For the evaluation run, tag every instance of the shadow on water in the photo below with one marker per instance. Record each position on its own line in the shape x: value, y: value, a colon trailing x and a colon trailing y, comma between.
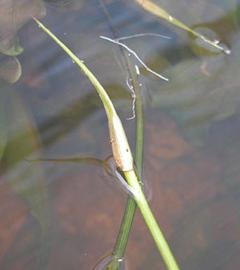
x: 64, y: 216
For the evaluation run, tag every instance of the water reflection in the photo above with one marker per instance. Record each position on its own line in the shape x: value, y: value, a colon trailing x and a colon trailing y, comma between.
x: 66, y: 212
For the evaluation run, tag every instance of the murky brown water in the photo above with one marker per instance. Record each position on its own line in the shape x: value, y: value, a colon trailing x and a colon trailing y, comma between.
x: 61, y: 215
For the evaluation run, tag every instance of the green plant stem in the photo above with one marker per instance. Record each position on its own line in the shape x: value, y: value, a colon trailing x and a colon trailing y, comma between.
x: 130, y: 209
x: 125, y: 228
x: 151, y: 223
x: 155, y: 9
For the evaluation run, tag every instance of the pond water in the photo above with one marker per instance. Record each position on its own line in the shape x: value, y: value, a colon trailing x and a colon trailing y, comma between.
x: 66, y: 215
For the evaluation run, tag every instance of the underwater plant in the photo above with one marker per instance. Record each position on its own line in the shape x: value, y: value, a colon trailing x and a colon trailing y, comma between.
x: 123, y: 157
x: 121, y: 150
x: 158, y: 11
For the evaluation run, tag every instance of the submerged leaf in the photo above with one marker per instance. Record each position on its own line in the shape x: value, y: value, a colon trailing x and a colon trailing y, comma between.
x: 13, y: 15
x: 27, y: 180
x: 10, y: 69
x: 10, y: 47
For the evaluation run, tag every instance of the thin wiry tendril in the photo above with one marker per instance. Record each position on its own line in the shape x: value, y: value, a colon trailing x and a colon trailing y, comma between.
x: 142, y: 35
x: 136, y: 56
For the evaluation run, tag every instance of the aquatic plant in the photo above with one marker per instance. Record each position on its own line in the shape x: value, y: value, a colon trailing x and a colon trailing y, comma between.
x: 123, y: 157
x: 158, y: 11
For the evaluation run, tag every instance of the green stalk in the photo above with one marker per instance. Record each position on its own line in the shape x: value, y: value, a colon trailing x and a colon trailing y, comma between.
x: 123, y: 157
x: 155, y: 9
x: 123, y: 235
x: 151, y: 222
x: 130, y: 209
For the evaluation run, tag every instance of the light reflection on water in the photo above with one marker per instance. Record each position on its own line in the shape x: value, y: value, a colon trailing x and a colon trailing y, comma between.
x: 63, y: 214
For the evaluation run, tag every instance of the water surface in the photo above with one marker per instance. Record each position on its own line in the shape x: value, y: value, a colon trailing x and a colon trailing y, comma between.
x: 63, y: 215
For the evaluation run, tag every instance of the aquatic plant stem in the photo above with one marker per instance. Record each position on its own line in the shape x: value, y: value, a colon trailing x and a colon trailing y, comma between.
x: 130, y: 209
x: 125, y: 228
x: 155, y: 9
x: 151, y: 222
x: 123, y: 157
